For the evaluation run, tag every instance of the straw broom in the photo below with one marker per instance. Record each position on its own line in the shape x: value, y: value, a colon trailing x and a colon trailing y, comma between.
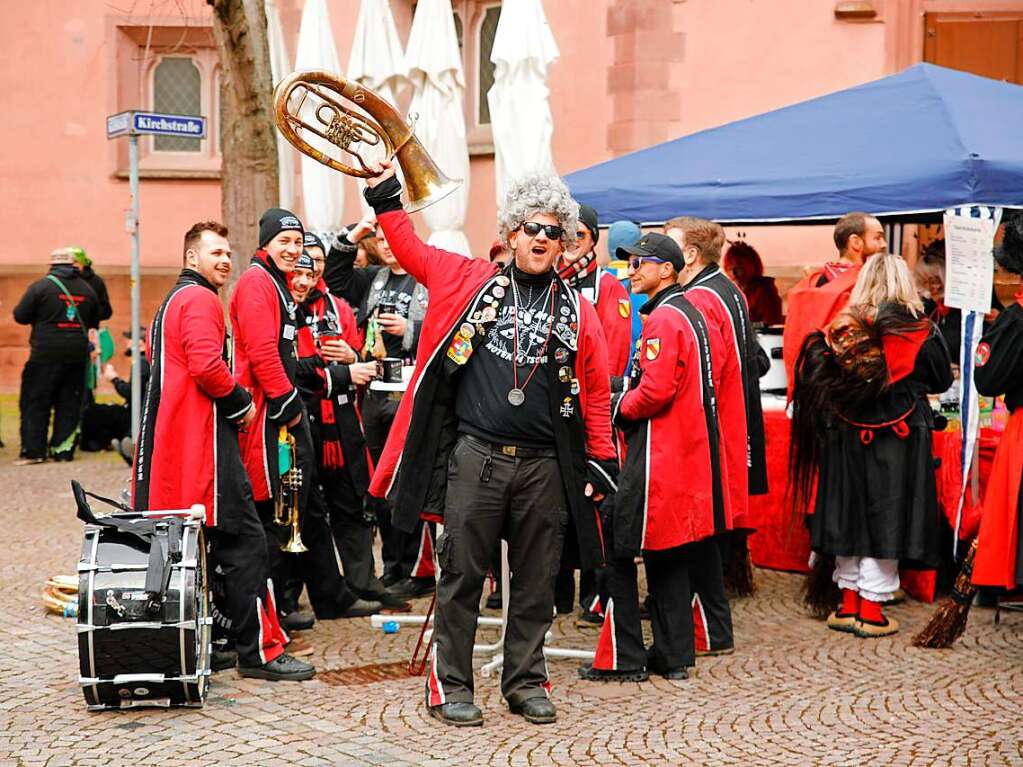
x: 820, y: 593
x: 949, y: 622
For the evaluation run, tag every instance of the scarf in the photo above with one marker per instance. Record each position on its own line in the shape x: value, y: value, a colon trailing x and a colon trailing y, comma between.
x: 577, y: 271
x: 331, y: 454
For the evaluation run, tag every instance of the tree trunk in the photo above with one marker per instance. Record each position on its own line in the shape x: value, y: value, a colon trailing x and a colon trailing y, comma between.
x: 248, y: 141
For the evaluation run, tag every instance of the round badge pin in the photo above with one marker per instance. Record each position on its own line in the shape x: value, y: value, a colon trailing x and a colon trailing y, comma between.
x: 499, y: 291
x: 503, y: 281
x: 467, y: 330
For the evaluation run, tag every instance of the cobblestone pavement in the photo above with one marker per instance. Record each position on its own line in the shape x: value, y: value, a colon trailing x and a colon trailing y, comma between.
x: 794, y: 693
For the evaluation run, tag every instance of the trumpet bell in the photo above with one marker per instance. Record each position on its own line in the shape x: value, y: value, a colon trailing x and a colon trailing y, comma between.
x: 294, y: 545
x: 347, y: 127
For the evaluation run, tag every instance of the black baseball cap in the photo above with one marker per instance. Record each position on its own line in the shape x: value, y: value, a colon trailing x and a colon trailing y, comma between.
x: 654, y: 245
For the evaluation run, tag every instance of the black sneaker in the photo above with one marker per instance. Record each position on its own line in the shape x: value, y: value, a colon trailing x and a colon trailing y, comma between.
x: 360, y: 608
x: 283, y: 668
x: 411, y: 588
x: 297, y: 621
x: 656, y: 664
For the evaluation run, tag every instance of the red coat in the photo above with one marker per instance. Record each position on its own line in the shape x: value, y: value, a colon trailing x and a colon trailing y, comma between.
x: 264, y: 326
x: 187, y: 450
x: 672, y: 488
x: 456, y: 285
x: 813, y: 303
x: 731, y: 402
x: 614, y: 310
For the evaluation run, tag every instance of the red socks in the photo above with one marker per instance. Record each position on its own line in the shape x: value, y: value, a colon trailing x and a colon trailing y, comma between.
x: 850, y: 602
x: 871, y: 611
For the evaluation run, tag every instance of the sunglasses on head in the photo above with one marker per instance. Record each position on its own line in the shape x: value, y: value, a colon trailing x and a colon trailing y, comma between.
x: 532, y: 229
x: 637, y: 261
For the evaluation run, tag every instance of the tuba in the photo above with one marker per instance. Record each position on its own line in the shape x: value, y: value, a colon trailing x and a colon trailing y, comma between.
x: 308, y: 109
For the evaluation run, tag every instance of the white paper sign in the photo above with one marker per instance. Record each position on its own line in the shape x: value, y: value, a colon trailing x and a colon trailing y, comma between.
x: 969, y: 265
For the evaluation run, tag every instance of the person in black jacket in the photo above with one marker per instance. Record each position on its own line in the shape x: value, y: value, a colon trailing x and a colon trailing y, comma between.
x: 84, y: 266
x: 104, y: 425
x: 61, y: 308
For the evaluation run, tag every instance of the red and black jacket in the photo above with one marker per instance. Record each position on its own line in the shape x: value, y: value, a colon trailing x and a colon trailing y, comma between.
x: 673, y: 487
x: 614, y: 310
x: 187, y: 451
x: 265, y: 326
x: 338, y: 434
x: 724, y: 306
x: 412, y: 472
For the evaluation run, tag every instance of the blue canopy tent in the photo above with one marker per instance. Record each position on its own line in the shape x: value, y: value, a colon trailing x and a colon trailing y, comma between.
x: 904, y: 147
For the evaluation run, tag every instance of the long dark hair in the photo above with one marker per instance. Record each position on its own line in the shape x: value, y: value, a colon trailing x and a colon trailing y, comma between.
x: 838, y: 373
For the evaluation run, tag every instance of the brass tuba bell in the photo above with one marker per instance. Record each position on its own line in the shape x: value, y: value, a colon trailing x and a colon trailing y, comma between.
x: 308, y: 107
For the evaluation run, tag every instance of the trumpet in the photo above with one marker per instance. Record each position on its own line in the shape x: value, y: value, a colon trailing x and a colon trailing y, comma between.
x: 286, y: 500
x: 308, y: 107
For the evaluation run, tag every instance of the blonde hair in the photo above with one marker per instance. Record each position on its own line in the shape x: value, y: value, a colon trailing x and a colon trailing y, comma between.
x: 885, y: 279
x: 708, y: 237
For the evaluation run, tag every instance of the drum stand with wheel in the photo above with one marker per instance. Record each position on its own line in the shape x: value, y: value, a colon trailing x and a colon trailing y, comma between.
x: 143, y: 620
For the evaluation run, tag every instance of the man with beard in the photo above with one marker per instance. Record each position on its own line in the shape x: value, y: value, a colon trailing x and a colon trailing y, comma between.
x: 670, y: 419
x: 504, y: 432
x: 328, y: 373
x: 265, y: 323
x: 192, y: 394
x: 389, y: 307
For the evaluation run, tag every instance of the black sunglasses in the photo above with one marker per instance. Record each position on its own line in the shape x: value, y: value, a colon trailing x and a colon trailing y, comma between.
x: 532, y: 229
x: 637, y: 261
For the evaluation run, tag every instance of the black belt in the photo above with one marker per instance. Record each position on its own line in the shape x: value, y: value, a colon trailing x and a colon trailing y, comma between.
x: 512, y: 451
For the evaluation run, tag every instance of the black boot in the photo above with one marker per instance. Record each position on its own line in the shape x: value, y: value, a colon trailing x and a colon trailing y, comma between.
x: 458, y: 714
x: 536, y: 710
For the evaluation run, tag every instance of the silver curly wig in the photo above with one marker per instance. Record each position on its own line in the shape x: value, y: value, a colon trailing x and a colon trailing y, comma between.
x: 539, y: 193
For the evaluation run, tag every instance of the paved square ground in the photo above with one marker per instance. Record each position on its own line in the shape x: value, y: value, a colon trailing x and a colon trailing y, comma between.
x: 794, y: 693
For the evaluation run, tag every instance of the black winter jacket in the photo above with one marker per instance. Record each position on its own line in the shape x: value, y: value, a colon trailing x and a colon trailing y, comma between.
x: 57, y: 335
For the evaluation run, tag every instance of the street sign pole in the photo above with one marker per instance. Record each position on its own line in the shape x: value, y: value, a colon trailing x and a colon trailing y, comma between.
x: 134, y: 124
x: 136, y: 357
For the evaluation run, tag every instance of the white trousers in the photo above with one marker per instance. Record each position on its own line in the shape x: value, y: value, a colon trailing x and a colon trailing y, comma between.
x: 874, y: 579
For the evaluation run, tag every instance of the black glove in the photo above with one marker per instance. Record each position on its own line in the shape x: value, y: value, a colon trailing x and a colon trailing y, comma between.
x: 385, y: 197
x: 603, y: 475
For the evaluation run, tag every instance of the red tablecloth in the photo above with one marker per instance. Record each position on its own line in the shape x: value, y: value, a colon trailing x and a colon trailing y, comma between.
x: 783, y: 543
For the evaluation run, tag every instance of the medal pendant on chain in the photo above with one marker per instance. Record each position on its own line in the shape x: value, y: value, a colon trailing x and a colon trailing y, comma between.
x: 516, y: 397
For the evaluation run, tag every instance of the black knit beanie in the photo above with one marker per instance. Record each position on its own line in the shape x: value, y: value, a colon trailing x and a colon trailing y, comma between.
x: 310, y: 240
x: 588, y: 218
x: 275, y: 221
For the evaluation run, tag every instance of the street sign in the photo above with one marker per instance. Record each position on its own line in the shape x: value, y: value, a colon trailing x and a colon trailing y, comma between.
x: 119, y: 124
x: 134, y: 123
x: 183, y: 126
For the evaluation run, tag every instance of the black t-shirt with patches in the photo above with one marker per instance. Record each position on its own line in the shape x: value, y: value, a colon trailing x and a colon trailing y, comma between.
x: 481, y: 404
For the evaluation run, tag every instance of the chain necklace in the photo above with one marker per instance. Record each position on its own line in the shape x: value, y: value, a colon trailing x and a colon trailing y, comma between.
x: 517, y: 394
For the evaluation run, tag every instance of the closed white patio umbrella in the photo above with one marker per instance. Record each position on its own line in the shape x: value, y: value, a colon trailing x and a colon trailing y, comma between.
x: 435, y: 68
x: 520, y: 114
x: 322, y: 189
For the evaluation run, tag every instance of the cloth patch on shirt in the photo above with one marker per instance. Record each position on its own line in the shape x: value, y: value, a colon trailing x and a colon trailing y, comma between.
x: 624, y: 308
x: 653, y: 348
x: 289, y: 333
x: 460, y: 349
x: 983, y: 355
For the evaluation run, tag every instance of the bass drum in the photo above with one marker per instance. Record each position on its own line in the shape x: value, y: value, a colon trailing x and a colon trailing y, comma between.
x: 131, y: 655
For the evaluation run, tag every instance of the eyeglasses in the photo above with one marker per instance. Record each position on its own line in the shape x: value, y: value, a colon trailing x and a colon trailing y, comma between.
x: 532, y: 229
x: 637, y: 261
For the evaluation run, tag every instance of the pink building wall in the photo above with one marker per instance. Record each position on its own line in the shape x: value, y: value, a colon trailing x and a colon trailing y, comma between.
x: 631, y: 73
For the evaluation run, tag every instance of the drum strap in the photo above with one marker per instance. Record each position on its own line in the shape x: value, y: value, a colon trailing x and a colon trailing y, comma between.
x: 163, y: 537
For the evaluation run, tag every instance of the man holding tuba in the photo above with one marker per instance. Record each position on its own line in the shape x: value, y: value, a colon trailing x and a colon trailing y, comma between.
x: 264, y: 321
x: 504, y: 432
